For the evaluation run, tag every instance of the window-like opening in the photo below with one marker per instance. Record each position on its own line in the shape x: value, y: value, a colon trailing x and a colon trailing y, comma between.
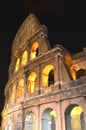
x: 7, y: 99
x: 30, y: 121
x: 19, y: 122
x: 10, y: 124
x: 47, y: 76
x: 24, y: 58
x: 17, y: 65
x: 20, y: 91
x: 32, y: 85
x: 13, y: 93
x: 5, y: 127
x: 80, y: 73
x: 51, y: 77
x: 48, y: 119
x: 74, y: 118
x: 69, y: 63
x: 34, y: 50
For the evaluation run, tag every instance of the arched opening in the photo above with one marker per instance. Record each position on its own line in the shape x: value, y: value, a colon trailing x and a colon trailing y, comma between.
x: 19, y: 122
x: 69, y: 63
x: 32, y: 85
x: 30, y: 121
x: 34, y: 50
x: 17, y: 65
x: 48, y: 76
x: 13, y: 93
x: 5, y: 127
x: 74, y: 118
x: 48, y: 119
x: 10, y: 124
x: 7, y: 97
x: 20, y: 91
x: 51, y: 77
x: 24, y: 58
x: 80, y: 73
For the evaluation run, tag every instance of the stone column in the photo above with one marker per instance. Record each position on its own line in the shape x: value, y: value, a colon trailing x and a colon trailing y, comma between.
x: 25, y: 85
x: 23, y: 115
x: 38, y: 121
x: 16, y: 90
x: 38, y: 79
x: 57, y: 72
x: 59, y: 117
x: 43, y: 43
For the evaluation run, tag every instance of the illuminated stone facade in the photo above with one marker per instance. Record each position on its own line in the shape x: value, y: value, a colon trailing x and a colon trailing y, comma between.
x: 46, y: 88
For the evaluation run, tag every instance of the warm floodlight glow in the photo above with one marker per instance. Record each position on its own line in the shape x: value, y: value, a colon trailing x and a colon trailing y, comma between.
x: 20, y: 88
x: 76, y: 117
x: 24, y: 58
x: 32, y: 82
x: 69, y: 62
x: 13, y: 93
x: 45, y: 75
x: 34, y: 51
x: 76, y: 111
x: 52, y: 113
x: 17, y: 65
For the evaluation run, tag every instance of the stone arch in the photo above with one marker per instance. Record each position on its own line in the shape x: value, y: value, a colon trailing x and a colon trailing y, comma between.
x: 69, y: 63
x: 20, y: 89
x: 13, y: 92
x: 81, y: 72
x: 32, y: 82
x: 34, y: 50
x: 24, y: 58
x: 4, y: 125
x: 19, y: 122
x: 28, y: 29
x: 30, y: 121
x: 17, y: 65
x: 48, y: 119
x: 47, y: 76
x: 10, y: 124
x: 74, y: 117
x: 7, y: 99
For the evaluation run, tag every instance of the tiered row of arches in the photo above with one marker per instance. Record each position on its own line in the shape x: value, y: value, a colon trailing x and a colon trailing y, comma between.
x: 29, y: 85
x: 25, y: 57
x: 23, y: 109
x: 74, y: 119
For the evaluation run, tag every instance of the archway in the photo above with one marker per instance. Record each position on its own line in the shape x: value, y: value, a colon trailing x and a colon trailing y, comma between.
x: 34, y: 50
x: 20, y: 91
x: 19, y: 122
x: 10, y: 124
x: 13, y: 91
x: 48, y: 119
x: 80, y: 73
x: 32, y: 82
x: 24, y: 58
x: 74, y: 118
x: 17, y: 65
x: 48, y: 76
x: 30, y: 121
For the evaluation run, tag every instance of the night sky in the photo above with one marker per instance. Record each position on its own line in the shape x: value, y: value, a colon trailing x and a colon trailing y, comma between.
x: 65, y: 22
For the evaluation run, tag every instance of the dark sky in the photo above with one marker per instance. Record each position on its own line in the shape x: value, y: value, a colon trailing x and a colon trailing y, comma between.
x: 65, y: 22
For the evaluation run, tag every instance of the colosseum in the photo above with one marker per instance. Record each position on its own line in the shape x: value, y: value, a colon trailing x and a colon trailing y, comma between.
x: 46, y: 88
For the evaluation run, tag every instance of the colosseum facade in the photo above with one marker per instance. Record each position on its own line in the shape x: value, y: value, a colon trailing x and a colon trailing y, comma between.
x: 46, y: 88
